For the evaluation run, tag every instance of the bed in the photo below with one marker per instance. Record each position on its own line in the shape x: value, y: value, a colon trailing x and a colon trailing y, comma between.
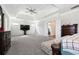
x: 46, y: 46
x: 69, y: 44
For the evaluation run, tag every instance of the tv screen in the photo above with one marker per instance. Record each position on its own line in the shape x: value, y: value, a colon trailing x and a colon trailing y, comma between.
x: 21, y: 27
x: 25, y: 27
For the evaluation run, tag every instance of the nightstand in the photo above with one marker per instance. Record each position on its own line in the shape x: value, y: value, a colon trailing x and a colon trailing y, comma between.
x: 56, y: 49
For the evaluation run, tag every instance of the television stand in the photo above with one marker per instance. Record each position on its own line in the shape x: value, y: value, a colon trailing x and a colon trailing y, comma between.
x: 24, y: 32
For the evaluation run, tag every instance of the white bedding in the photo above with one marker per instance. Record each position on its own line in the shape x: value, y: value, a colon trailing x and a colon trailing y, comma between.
x: 71, y: 43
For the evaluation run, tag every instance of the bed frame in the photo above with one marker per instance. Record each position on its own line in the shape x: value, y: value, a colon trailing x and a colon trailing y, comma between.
x: 69, y: 29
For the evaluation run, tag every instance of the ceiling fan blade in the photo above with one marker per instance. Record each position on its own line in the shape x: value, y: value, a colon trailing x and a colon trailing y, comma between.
x: 34, y: 9
x: 27, y: 11
x: 34, y: 12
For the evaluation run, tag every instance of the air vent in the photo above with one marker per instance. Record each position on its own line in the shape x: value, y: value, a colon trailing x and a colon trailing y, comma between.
x: 75, y: 7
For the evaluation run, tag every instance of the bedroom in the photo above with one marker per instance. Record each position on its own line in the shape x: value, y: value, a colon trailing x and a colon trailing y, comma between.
x: 37, y: 16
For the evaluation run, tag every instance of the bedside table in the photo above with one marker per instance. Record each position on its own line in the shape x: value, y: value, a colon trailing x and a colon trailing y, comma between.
x: 56, y: 49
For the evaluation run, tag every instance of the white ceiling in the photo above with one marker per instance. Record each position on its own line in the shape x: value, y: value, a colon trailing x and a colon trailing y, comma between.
x: 64, y: 7
x: 13, y: 9
x: 16, y: 9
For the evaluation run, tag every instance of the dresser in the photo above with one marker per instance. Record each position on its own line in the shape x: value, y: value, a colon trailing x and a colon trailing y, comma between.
x: 5, y: 42
x: 5, y: 36
x: 69, y: 29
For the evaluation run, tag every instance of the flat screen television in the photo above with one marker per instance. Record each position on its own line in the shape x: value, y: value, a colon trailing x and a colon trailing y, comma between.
x: 24, y: 27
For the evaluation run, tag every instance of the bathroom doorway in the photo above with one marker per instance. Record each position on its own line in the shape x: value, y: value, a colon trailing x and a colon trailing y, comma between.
x: 52, y: 28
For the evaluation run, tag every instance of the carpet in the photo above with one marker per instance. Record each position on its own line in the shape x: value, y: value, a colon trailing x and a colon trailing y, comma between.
x: 27, y: 45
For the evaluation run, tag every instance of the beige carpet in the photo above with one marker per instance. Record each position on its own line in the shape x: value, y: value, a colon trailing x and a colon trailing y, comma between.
x: 27, y: 45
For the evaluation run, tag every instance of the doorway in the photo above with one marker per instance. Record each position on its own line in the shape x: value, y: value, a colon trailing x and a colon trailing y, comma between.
x: 52, y: 28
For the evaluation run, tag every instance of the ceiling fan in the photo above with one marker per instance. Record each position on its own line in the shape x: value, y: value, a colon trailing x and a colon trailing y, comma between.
x: 31, y: 11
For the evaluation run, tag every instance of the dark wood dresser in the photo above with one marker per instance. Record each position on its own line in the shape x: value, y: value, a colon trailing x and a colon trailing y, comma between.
x: 5, y: 42
x: 69, y: 29
x: 5, y: 36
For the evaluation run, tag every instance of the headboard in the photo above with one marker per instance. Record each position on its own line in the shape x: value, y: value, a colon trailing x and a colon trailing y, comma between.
x: 69, y: 29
